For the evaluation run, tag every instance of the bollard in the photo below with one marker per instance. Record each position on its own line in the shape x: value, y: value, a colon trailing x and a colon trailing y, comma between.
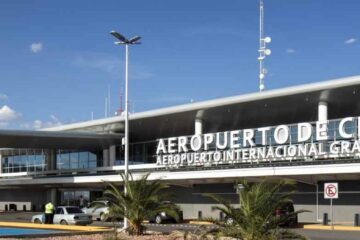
x: 221, y: 216
x: 325, y: 219
x: 356, y: 220
x: 199, y: 215
x: 181, y: 216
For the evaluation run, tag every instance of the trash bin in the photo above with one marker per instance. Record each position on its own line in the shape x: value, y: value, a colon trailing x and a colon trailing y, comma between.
x: 325, y: 219
x: 221, y: 216
x: 356, y: 220
x: 199, y: 215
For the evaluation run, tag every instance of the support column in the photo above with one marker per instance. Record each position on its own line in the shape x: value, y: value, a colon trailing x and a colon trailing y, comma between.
x: 1, y: 164
x: 106, y: 157
x: 322, y: 111
x: 52, y: 196
x: 51, y: 159
x: 112, y: 153
x: 198, y: 126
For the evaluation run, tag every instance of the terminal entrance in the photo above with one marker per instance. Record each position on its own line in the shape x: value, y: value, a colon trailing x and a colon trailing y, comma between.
x: 72, y: 197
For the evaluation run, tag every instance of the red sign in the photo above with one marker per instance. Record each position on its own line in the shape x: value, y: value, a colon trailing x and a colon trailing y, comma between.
x: 331, y: 190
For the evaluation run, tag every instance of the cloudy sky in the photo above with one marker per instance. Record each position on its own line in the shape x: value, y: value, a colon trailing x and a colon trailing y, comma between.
x: 58, y: 60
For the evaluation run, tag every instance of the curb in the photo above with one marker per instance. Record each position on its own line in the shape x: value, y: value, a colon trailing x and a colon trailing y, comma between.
x: 54, y: 227
x: 327, y: 227
x: 201, y: 222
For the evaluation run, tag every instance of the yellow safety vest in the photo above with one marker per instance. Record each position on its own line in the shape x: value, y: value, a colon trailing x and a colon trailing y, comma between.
x: 49, y: 208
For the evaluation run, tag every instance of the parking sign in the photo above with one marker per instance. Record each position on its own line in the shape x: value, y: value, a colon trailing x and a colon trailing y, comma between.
x: 331, y: 191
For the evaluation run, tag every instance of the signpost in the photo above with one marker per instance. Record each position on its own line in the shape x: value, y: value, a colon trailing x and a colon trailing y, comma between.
x: 331, y: 191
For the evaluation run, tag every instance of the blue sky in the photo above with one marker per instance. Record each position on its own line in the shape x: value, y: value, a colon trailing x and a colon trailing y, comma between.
x: 57, y: 58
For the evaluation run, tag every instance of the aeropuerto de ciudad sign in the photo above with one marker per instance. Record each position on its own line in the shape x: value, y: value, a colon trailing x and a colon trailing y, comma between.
x: 306, y: 141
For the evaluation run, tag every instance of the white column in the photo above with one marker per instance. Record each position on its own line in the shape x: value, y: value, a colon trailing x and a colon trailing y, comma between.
x: 322, y: 111
x: 112, y: 153
x: 198, y: 126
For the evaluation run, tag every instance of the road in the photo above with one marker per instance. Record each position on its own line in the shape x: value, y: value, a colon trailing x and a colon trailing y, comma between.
x: 167, y: 228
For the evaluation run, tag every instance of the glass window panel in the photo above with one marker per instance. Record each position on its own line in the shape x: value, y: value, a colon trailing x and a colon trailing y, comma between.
x: 83, y: 160
x: 65, y: 160
x: 74, y: 160
x: 39, y: 161
x: 24, y: 163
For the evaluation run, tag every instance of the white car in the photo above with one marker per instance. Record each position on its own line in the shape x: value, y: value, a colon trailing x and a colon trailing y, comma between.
x: 98, y: 209
x: 66, y: 215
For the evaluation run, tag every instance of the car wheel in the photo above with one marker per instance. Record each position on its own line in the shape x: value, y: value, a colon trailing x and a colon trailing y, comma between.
x: 63, y: 222
x: 103, y: 217
x: 37, y: 221
x: 229, y: 221
x: 158, y: 219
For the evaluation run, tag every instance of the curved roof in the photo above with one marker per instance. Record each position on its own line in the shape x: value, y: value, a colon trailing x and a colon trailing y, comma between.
x: 285, y: 105
x: 57, y: 140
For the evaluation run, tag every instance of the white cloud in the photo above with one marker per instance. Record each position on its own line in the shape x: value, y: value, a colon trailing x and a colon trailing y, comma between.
x: 36, y: 47
x: 99, y: 61
x: 37, y: 124
x: 350, y: 41
x: 7, y: 114
x: 290, y: 50
x: 109, y: 64
x: 3, y: 96
x: 4, y: 124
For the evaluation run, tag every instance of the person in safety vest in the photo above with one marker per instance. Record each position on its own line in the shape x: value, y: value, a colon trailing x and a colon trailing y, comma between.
x: 49, y: 213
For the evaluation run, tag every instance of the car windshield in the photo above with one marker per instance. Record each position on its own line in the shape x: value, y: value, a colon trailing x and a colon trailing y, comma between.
x: 71, y: 210
x: 97, y: 204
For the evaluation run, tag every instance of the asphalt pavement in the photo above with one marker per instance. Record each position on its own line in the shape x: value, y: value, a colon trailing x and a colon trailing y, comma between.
x: 167, y: 228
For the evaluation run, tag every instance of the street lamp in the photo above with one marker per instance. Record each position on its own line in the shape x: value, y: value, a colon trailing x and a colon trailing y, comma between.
x: 124, y: 41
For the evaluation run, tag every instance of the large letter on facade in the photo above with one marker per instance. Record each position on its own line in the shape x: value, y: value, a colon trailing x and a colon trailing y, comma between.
x: 161, y: 147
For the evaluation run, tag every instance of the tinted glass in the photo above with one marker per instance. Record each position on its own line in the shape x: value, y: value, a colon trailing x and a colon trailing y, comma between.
x: 72, y: 210
x: 59, y: 211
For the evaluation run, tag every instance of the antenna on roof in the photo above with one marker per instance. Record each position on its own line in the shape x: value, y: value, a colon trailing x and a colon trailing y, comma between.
x: 109, y: 101
x: 106, y: 107
x: 263, y: 51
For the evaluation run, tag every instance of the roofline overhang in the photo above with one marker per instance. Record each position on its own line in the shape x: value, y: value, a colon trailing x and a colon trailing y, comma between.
x: 196, y: 106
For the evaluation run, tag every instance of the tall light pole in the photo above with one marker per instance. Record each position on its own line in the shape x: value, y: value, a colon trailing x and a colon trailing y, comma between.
x: 124, y: 41
x: 263, y: 51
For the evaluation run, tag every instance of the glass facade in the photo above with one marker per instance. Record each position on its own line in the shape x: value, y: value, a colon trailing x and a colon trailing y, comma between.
x: 75, y: 160
x: 35, y: 160
x: 139, y: 153
x: 24, y: 160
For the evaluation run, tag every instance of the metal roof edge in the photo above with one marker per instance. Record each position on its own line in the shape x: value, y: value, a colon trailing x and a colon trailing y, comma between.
x: 310, y: 87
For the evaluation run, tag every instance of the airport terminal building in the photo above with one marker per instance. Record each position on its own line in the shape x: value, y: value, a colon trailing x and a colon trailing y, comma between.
x: 308, y: 133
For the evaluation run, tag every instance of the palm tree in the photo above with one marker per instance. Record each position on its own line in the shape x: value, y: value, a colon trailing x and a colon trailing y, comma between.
x: 256, y: 219
x: 144, y: 200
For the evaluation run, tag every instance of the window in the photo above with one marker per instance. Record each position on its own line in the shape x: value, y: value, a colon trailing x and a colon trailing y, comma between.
x: 83, y: 160
x: 72, y: 210
x: 59, y: 211
x: 74, y: 160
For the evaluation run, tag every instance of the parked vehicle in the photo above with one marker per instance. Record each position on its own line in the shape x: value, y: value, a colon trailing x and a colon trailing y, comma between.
x: 286, y: 210
x: 99, y: 210
x: 66, y: 215
x: 162, y: 217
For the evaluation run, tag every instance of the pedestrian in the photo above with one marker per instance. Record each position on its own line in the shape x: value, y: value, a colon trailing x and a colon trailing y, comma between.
x: 49, y: 213
x: 81, y: 202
